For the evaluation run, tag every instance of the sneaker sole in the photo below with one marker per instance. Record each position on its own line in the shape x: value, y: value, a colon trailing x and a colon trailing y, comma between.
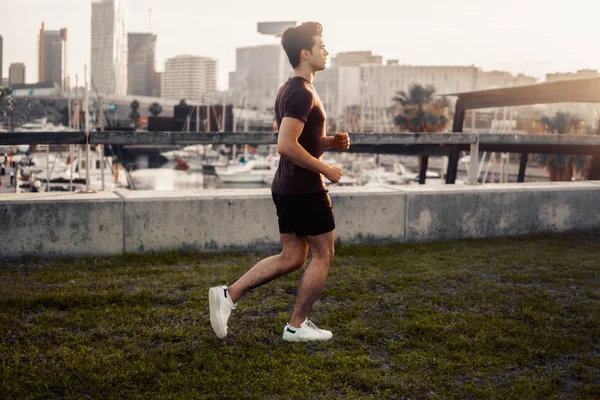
x: 214, y: 305
x: 297, y: 339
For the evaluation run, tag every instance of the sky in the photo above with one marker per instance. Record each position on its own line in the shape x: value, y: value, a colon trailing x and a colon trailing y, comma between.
x: 534, y: 37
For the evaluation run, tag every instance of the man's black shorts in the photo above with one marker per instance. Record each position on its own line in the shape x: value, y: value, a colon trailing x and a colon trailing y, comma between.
x: 304, y: 214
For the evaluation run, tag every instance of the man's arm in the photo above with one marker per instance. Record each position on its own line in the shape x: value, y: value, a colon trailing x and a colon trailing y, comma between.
x: 288, y: 146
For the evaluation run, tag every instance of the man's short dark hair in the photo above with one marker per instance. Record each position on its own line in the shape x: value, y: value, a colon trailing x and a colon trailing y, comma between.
x: 298, y: 38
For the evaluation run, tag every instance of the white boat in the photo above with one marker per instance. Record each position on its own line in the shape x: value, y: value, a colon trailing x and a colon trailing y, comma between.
x: 378, y: 176
x: 344, y: 181
x: 114, y: 174
x: 253, y: 171
x: 185, y: 153
x: 195, y: 156
x: 155, y: 178
x: 404, y: 174
x: 168, y: 177
x: 47, y: 165
x: 38, y: 125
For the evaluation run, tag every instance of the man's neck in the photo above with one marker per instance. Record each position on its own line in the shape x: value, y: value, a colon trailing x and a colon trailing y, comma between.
x: 304, y: 72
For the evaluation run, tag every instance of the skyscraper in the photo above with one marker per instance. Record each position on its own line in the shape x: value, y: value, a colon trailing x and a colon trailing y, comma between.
x: 109, y: 47
x: 16, y: 73
x: 52, y: 56
x: 141, y: 64
x: 189, y: 77
x: 260, y: 71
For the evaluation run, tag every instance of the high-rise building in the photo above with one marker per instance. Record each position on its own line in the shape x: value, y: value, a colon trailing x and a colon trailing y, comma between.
x: 587, y: 111
x: 339, y: 90
x: 16, y: 73
x: 189, y: 77
x: 109, y: 47
x: 566, y: 76
x: 383, y: 81
x: 141, y: 64
x: 501, y: 79
x: 356, y: 58
x: 259, y: 72
x: 359, y: 96
x: 157, y: 84
x: 52, y: 57
x: 1, y: 65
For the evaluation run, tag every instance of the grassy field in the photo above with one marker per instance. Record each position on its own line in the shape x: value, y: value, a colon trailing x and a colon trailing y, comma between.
x: 489, y: 319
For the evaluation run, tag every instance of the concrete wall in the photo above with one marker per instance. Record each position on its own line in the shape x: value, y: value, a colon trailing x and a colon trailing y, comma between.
x: 197, y: 220
x: 61, y: 224
x: 141, y: 221
x: 456, y: 212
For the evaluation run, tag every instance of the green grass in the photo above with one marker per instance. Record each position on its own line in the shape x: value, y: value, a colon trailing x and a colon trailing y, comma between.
x: 490, y: 319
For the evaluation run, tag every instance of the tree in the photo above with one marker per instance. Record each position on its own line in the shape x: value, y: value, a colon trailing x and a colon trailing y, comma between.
x: 134, y: 114
x: 563, y: 167
x: 419, y: 111
x: 4, y: 92
x: 155, y: 109
x: 561, y: 123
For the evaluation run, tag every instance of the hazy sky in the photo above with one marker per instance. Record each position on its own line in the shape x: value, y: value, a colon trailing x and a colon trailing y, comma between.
x: 530, y: 36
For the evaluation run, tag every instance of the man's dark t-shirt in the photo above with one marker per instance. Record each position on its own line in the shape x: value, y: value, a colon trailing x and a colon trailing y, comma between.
x: 298, y: 99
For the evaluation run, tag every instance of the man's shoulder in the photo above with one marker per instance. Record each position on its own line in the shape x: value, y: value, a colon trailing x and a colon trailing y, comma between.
x: 302, y: 92
x: 299, y: 86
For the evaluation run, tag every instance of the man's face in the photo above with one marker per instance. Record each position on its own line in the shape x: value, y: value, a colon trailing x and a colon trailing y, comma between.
x: 317, y: 58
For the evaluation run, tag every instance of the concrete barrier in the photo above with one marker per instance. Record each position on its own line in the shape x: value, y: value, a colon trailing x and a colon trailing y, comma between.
x: 369, y: 214
x: 237, y: 219
x: 66, y: 224
x: 198, y: 220
x: 218, y: 220
x: 477, y: 211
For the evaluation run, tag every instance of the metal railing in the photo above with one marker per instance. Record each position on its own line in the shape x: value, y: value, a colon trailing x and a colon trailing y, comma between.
x: 422, y: 144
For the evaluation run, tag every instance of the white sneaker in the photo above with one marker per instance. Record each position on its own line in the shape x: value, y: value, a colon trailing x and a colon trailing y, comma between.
x: 220, y: 306
x: 307, y: 332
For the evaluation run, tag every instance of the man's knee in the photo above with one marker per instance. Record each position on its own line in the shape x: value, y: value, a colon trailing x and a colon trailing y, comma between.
x: 294, y: 259
x: 324, y: 254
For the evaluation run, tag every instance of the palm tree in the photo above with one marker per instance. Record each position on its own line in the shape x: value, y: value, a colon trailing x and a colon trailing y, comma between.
x: 561, y: 123
x: 134, y: 114
x: 418, y: 111
x: 562, y: 167
x: 155, y: 109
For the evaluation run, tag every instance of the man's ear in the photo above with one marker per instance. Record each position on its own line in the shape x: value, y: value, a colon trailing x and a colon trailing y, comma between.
x: 304, y: 54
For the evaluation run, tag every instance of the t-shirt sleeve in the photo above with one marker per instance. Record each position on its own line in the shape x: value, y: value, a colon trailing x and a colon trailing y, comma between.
x: 298, y: 105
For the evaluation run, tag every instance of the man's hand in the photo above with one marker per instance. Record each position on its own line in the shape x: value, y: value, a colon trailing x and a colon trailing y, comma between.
x: 333, y: 173
x: 341, y: 141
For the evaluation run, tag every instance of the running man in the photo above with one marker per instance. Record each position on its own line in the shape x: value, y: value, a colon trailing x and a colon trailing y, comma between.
x: 304, y: 209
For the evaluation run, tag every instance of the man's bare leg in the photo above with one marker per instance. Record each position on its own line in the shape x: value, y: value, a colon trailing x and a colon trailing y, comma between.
x: 314, y: 276
x: 291, y: 258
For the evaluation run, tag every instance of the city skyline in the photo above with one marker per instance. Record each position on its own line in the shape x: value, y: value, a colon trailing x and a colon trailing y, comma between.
x: 534, y: 37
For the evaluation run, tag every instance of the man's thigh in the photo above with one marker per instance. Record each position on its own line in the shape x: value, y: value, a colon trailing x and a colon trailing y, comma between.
x: 322, y: 245
x: 294, y: 246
